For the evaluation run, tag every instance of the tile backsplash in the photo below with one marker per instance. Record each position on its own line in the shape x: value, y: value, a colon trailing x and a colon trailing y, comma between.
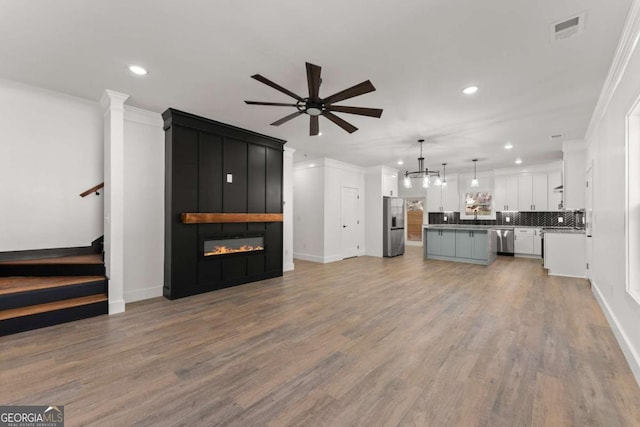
x: 542, y: 219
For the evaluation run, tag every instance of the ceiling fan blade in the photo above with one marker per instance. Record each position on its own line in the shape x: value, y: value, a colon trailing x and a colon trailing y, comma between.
x: 359, y: 89
x: 286, y: 118
x: 342, y: 123
x: 276, y: 86
x: 314, y: 127
x: 279, y: 104
x: 313, y: 80
x: 371, y: 112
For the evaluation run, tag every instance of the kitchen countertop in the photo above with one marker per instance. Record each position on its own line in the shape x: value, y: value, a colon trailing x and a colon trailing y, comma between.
x: 462, y: 227
x: 565, y: 230
x: 568, y: 230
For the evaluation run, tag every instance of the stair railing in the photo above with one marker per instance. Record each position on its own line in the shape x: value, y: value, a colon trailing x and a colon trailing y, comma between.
x: 93, y: 189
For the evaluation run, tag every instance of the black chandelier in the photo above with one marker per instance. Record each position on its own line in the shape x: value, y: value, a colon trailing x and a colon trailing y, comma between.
x: 422, y: 172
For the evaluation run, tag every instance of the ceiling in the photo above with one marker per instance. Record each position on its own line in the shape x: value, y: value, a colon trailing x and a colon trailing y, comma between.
x: 419, y: 54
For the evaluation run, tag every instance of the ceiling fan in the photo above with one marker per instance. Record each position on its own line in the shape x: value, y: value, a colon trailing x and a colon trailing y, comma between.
x: 314, y: 106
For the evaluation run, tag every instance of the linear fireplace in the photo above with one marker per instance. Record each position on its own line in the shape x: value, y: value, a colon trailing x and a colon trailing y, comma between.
x: 216, y: 246
x: 223, y: 205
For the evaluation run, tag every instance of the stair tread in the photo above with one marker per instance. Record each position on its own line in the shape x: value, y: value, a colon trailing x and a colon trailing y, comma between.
x: 11, y: 285
x: 51, y: 306
x: 76, y: 259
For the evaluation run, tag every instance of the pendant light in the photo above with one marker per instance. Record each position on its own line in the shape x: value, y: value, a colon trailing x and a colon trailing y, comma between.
x: 474, y: 181
x: 422, y: 172
x: 407, y: 182
x: 444, y: 174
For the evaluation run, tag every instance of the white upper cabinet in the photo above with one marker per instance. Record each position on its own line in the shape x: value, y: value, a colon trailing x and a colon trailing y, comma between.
x: 525, y: 193
x: 390, y: 185
x: 506, y: 193
x: 444, y: 199
x: 532, y: 192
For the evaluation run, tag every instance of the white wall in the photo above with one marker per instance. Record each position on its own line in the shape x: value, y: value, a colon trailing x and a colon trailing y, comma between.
x: 143, y: 204
x: 317, y: 208
x: 574, y: 155
x: 339, y: 175
x: 308, y: 212
x: 374, y: 191
x: 606, y: 148
x: 373, y: 211
x: 51, y: 151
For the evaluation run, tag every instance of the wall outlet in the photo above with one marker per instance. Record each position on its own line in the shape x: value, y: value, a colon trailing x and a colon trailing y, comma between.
x: 229, y: 178
x: 560, y: 220
x: 446, y: 218
x: 507, y: 219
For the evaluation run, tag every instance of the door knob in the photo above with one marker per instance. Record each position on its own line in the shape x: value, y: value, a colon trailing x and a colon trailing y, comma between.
x: 344, y: 226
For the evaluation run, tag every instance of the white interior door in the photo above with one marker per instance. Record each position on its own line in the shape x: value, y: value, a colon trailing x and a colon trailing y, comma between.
x: 350, y: 221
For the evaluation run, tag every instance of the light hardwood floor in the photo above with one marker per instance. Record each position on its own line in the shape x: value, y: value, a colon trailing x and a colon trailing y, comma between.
x: 365, y: 341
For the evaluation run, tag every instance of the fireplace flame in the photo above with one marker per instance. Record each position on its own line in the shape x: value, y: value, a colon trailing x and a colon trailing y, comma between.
x: 222, y: 250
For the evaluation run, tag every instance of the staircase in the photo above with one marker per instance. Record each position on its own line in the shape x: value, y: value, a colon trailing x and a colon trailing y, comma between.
x: 40, y: 292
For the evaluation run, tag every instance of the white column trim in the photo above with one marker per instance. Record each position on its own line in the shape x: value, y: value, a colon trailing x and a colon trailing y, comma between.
x: 287, y: 210
x: 113, y: 104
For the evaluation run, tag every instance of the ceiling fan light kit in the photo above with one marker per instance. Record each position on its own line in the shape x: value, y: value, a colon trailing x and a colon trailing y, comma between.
x: 422, y: 172
x: 314, y: 106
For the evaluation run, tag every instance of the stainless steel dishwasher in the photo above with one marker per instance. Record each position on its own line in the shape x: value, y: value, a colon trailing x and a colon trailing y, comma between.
x: 505, y: 244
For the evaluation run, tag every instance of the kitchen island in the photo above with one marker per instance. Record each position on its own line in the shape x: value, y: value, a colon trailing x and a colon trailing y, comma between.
x: 475, y: 244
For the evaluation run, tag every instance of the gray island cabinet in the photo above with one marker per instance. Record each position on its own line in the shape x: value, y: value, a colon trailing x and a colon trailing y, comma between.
x: 476, y: 245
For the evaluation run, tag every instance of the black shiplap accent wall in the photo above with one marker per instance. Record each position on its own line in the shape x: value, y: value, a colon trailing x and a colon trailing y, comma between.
x: 524, y: 219
x: 199, y: 153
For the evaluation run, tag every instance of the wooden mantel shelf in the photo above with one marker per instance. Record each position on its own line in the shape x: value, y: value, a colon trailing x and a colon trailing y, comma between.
x: 211, y: 218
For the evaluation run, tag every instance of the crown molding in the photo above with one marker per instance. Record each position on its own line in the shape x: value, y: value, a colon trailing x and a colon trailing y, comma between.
x: 626, y: 46
x: 145, y: 117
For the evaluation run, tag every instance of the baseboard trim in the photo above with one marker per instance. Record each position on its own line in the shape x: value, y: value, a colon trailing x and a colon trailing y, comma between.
x: 142, y: 294
x: 116, y: 307
x: 288, y: 267
x: 632, y: 356
x: 565, y: 275
x: 316, y: 258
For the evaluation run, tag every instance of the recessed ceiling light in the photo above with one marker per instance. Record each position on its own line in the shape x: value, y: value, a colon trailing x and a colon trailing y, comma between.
x: 508, y: 146
x: 136, y: 69
x: 400, y: 162
x: 518, y: 161
x: 311, y: 165
x: 470, y: 90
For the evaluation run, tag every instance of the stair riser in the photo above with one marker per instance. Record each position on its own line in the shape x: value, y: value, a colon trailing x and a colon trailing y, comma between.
x: 41, y: 320
x: 42, y: 296
x: 8, y: 270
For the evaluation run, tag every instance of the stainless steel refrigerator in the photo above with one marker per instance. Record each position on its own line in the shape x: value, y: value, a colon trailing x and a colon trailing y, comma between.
x: 392, y: 226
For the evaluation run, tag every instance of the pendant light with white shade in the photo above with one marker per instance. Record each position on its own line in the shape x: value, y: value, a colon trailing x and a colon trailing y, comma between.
x: 444, y: 175
x: 474, y: 182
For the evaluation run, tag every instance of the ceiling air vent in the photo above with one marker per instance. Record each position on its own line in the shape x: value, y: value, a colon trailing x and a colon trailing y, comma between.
x: 567, y: 27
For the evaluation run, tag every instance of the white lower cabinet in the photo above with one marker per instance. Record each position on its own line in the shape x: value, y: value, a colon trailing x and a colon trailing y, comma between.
x: 537, y: 241
x: 528, y: 241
